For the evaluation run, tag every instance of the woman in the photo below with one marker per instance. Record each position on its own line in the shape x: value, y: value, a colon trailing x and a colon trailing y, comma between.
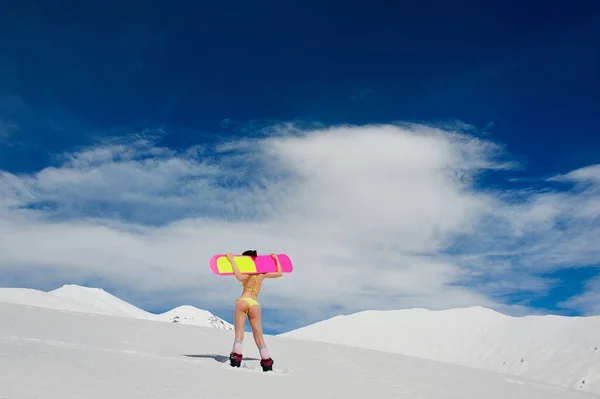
x: 247, y: 305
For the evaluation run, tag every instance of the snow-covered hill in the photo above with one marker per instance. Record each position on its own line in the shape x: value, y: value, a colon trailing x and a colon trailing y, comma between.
x: 101, y: 299
x: 31, y: 297
x: 72, y: 297
x: 558, y: 350
x: 563, y: 351
x: 192, y: 315
x: 49, y: 354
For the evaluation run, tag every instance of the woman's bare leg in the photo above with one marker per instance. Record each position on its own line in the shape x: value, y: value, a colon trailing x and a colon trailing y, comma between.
x: 256, y: 324
x: 239, y: 320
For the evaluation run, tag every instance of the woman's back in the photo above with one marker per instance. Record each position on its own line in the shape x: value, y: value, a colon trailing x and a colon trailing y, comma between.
x: 252, y: 285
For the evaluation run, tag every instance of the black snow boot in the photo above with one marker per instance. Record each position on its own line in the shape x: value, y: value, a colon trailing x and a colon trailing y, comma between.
x: 235, y: 359
x: 267, y: 364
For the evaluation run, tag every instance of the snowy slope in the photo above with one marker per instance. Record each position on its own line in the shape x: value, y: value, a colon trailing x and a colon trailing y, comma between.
x: 30, y: 297
x: 99, y: 298
x: 558, y: 350
x: 193, y: 315
x: 73, y: 297
x: 47, y: 354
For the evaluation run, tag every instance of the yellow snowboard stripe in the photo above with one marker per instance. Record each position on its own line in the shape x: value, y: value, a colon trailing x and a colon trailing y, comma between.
x: 244, y: 263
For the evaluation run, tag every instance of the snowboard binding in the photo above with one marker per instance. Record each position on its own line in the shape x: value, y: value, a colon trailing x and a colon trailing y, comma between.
x: 235, y: 359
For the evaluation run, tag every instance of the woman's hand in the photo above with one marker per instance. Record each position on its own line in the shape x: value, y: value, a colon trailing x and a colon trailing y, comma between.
x: 278, y: 273
x: 236, y: 271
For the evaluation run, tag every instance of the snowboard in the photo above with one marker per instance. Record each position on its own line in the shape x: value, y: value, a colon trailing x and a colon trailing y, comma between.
x: 219, y: 264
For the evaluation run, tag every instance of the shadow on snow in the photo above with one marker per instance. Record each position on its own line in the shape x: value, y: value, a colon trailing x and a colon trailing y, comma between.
x: 219, y: 358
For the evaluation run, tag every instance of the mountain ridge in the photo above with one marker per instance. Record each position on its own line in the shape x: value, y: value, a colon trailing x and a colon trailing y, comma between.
x: 77, y: 298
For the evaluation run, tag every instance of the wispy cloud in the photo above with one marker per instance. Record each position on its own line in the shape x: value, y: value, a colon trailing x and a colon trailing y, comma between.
x: 7, y: 129
x: 587, y: 175
x: 373, y: 217
x: 588, y: 302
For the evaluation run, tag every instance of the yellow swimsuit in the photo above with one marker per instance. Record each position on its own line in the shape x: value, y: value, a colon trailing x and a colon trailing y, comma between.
x: 251, y: 301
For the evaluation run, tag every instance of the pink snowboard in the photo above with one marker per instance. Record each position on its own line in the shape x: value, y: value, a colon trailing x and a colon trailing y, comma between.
x: 219, y: 264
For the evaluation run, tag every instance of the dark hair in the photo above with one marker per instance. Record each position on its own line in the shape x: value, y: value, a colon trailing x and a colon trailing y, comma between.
x: 251, y: 252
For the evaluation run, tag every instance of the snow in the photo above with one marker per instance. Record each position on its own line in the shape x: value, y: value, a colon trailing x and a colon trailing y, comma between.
x: 101, y: 299
x: 106, y: 347
x: 30, y: 297
x: 50, y: 354
x: 564, y: 351
x: 193, y: 315
x: 76, y: 298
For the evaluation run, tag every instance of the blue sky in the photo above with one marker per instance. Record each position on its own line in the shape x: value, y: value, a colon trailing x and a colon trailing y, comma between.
x: 113, y: 117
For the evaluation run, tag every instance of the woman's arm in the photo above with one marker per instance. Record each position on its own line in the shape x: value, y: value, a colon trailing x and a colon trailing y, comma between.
x: 240, y: 277
x: 278, y: 273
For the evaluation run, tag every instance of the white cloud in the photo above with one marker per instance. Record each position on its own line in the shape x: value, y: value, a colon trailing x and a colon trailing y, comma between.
x: 587, y: 174
x: 373, y: 217
x: 588, y: 302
